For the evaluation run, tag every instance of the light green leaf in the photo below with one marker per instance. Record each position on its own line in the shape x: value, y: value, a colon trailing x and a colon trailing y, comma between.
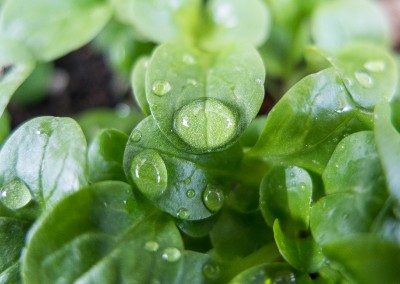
x: 201, y: 101
x: 138, y: 82
x: 47, y: 157
x: 16, y: 64
x: 106, y: 154
x: 187, y: 186
x: 305, y: 126
x: 335, y: 24
x: 160, y: 20
x: 230, y: 21
x: 53, y: 28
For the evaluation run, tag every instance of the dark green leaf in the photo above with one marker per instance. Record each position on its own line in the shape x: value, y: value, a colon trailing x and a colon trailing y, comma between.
x: 5, y: 126
x: 203, y: 101
x: 53, y: 28
x: 186, y: 186
x: 138, y: 82
x: 46, y: 157
x: 305, y: 126
x: 105, y: 156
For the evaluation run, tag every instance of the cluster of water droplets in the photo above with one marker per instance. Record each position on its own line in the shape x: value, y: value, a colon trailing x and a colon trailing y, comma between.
x: 169, y: 254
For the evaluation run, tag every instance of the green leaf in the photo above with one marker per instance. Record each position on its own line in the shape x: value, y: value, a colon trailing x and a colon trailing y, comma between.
x: 187, y: 186
x: 270, y: 273
x: 286, y: 195
x: 305, y: 126
x: 159, y: 20
x: 103, y: 234
x: 105, y: 156
x: 366, y: 258
x: 388, y: 144
x: 230, y: 21
x: 335, y: 24
x: 53, y: 28
x: 5, y: 127
x: 16, y: 64
x: 302, y: 253
x: 369, y: 73
x: 203, y: 101
x: 46, y: 156
x: 138, y: 82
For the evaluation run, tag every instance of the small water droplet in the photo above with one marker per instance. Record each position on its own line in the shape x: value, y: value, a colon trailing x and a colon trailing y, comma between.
x: 285, y: 277
x: 188, y: 59
x: 183, y: 213
x: 171, y: 254
x: 375, y: 66
x: 213, y: 198
x: 15, y: 194
x: 205, y: 124
x: 348, y: 82
x: 38, y: 132
x: 187, y: 181
x: 149, y: 173
x: 192, y: 82
x: 364, y: 79
x: 260, y: 81
x: 190, y: 193
x: 136, y: 136
x: 160, y: 88
x: 151, y: 246
x: 211, y: 271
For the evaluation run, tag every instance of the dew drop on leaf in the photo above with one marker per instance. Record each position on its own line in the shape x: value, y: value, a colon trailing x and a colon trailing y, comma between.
x: 15, y: 194
x: 192, y: 82
x: 205, y: 124
x: 160, y: 88
x: 375, y: 66
x: 190, y: 193
x: 171, y: 254
x: 183, y: 213
x: 149, y: 173
x: 151, y: 246
x: 211, y: 271
x: 188, y: 59
x: 136, y: 136
x: 364, y: 79
x: 187, y: 181
x: 213, y: 198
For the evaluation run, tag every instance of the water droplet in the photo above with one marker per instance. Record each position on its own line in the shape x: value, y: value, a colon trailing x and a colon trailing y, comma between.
x: 136, y: 136
x: 183, y: 213
x: 348, y: 82
x: 211, y: 271
x: 188, y: 59
x: 285, y: 277
x: 187, y: 181
x: 160, y: 88
x: 149, y: 173
x: 15, y: 194
x: 190, y: 193
x: 191, y: 82
x: 375, y: 66
x: 364, y: 79
x: 205, y: 124
x: 213, y: 198
x: 151, y: 246
x: 260, y: 81
x: 171, y: 254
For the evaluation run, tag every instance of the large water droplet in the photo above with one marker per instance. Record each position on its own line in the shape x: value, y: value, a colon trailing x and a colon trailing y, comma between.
x: 183, y: 214
x: 375, y: 66
x: 211, y: 271
x: 213, y: 198
x: 205, y: 124
x: 15, y: 194
x: 171, y: 254
x: 364, y: 79
x: 136, y: 136
x: 190, y: 193
x: 151, y: 246
x: 160, y: 88
x: 149, y: 173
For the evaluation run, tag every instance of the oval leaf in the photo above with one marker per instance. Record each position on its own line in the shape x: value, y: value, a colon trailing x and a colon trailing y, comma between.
x: 138, y: 82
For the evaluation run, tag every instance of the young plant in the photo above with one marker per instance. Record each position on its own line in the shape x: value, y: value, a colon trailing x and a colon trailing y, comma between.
x: 196, y: 188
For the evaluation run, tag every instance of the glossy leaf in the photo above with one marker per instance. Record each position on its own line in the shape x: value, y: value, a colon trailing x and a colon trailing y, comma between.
x: 105, y: 156
x: 369, y: 73
x: 159, y: 20
x: 186, y: 186
x: 337, y: 23
x: 16, y: 64
x: 388, y: 144
x: 66, y: 26
x: 104, y: 233
x: 5, y: 126
x: 236, y: 21
x: 302, y: 253
x: 203, y: 101
x: 47, y: 155
x: 366, y: 259
x: 138, y: 82
x: 286, y: 195
x: 305, y: 126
